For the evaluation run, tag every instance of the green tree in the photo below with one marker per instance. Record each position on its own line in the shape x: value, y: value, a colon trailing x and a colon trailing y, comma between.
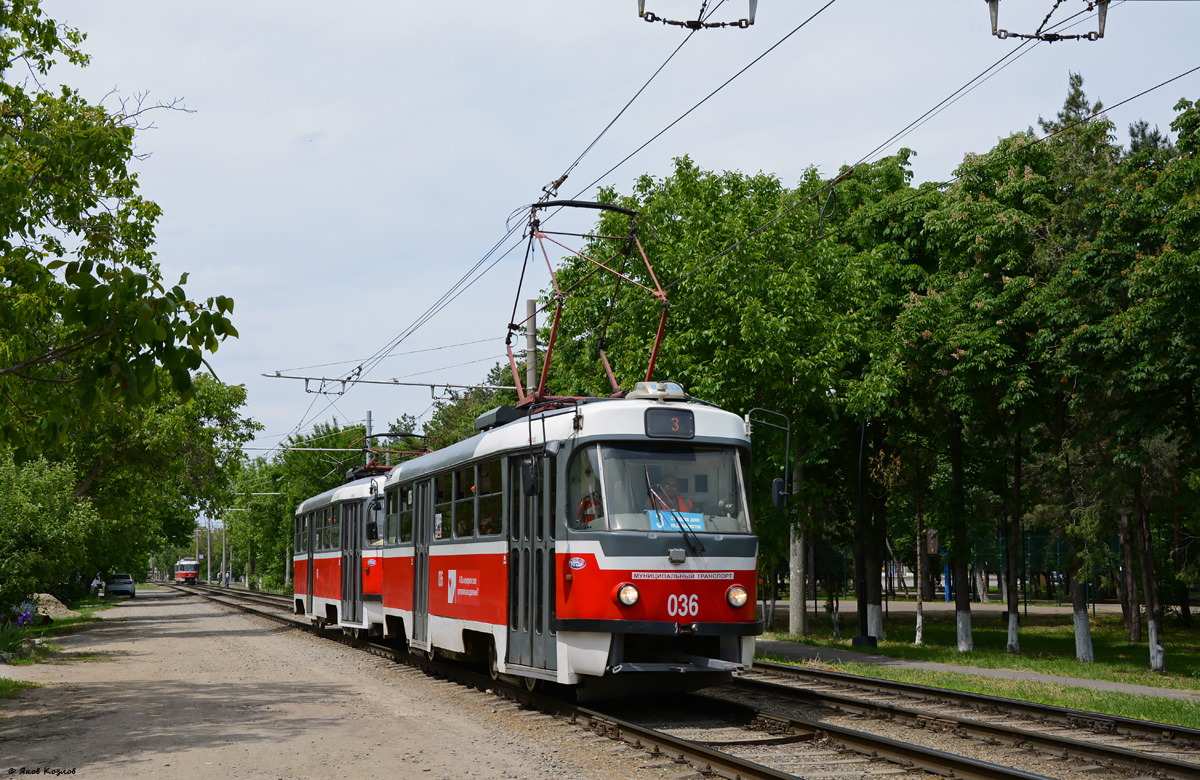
x: 84, y: 312
x: 43, y: 527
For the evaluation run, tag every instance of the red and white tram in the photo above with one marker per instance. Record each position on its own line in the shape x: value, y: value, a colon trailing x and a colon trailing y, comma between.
x: 603, y: 543
x: 187, y: 571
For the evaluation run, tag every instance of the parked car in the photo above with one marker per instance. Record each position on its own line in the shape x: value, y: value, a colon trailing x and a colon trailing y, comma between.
x: 120, y: 583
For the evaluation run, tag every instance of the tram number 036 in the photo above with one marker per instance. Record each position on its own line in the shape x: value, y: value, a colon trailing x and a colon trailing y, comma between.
x: 681, y: 605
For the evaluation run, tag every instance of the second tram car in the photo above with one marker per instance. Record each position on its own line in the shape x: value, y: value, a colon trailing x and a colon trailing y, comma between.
x: 187, y: 571
x: 604, y: 543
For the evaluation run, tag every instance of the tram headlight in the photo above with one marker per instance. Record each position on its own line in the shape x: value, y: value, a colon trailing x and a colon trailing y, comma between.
x: 737, y: 596
x: 628, y: 594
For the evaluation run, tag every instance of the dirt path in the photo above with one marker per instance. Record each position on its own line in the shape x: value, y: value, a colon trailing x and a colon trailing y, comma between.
x: 168, y: 686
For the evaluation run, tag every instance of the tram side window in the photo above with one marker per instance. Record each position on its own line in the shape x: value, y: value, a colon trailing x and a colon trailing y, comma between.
x: 551, y: 507
x: 392, y: 513
x: 585, y: 500
x: 406, y: 513
x: 491, y: 498
x: 334, y: 539
x: 374, y: 522
x: 464, y: 503
x: 443, y: 494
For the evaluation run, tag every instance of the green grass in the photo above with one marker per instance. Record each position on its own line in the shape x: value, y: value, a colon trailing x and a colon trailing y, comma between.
x: 1179, y: 712
x: 10, y: 689
x: 1047, y: 647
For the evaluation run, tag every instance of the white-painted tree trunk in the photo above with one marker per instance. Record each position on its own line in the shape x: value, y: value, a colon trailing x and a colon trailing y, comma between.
x: 875, y: 621
x: 1083, y: 636
x: 1014, y: 645
x: 1158, y: 653
x: 920, y: 627
x: 966, y: 641
x: 833, y: 617
x: 797, y: 560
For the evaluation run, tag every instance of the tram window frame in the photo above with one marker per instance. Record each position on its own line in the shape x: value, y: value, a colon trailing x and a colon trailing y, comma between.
x: 335, y: 527
x: 391, y: 516
x: 515, y: 495
x: 443, y: 506
x: 407, y: 499
x: 490, y: 504
x: 465, y: 502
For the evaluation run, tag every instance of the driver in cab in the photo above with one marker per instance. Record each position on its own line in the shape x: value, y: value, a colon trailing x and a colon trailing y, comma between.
x: 667, y: 497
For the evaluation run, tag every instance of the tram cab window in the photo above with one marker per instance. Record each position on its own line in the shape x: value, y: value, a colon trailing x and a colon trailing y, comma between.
x: 464, y: 503
x: 491, y: 498
x: 443, y: 517
x: 657, y: 487
x: 585, y: 502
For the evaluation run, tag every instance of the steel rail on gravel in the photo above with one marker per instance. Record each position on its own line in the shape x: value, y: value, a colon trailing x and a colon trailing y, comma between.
x: 1116, y: 724
x: 1108, y: 755
x: 908, y: 755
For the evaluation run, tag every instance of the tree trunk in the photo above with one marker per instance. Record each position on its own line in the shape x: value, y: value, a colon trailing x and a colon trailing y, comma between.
x: 1181, y: 586
x: 774, y: 594
x: 1013, y: 550
x: 1079, y: 608
x: 1130, y: 604
x: 877, y: 536
x: 922, y: 543
x: 1149, y: 579
x: 798, y: 564
x: 958, y: 511
x: 899, y: 569
x: 982, y: 582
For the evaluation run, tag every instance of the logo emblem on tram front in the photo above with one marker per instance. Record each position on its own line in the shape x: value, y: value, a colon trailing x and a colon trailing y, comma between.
x: 577, y: 563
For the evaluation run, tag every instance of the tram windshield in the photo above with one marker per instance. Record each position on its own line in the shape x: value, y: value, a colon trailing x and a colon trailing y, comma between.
x: 653, y: 487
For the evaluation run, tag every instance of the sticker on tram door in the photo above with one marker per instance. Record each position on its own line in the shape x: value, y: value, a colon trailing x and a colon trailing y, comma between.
x: 463, y: 587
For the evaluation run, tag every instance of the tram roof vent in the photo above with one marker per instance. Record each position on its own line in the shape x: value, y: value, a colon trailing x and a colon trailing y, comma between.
x: 659, y: 391
x: 501, y: 415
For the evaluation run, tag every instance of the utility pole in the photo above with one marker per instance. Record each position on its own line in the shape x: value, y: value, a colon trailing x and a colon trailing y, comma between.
x: 209, y: 553
x: 531, y: 372
x: 367, y: 441
x: 224, y: 549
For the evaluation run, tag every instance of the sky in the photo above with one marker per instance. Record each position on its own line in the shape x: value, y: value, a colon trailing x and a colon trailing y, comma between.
x: 340, y: 167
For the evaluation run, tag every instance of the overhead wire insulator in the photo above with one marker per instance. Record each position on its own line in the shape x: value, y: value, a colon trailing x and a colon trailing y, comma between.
x: 1100, y: 6
x: 701, y: 21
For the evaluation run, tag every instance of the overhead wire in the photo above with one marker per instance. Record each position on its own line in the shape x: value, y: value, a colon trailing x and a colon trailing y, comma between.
x: 857, y: 220
x: 466, y: 282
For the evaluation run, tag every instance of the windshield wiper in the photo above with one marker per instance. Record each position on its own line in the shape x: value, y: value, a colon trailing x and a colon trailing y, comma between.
x: 690, y: 537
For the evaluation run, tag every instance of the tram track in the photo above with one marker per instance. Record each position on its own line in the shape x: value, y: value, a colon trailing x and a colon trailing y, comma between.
x: 736, y: 740
x: 1099, y: 742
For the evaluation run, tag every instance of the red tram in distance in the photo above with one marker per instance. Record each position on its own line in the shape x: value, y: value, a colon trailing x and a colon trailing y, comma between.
x: 600, y: 543
x: 187, y: 571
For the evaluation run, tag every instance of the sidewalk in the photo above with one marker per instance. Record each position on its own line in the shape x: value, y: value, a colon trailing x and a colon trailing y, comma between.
x: 848, y: 608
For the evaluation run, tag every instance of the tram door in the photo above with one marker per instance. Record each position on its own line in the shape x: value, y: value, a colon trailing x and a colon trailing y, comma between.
x: 310, y: 533
x: 352, y: 562
x: 422, y: 523
x: 531, y: 568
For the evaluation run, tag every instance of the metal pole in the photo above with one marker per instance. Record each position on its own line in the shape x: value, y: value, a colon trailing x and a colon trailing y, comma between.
x: 209, y: 553
x: 1058, y: 569
x: 864, y: 638
x: 531, y: 372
